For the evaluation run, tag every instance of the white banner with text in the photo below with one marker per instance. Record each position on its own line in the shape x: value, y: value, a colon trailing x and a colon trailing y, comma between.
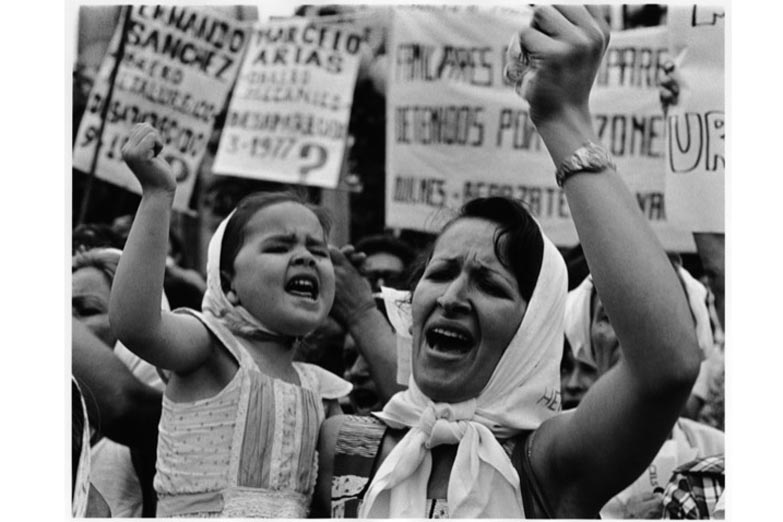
x: 456, y: 130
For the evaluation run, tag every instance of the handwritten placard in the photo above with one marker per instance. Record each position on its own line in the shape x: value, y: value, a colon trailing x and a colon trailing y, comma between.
x: 696, y: 127
x: 177, y: 67
x: 288, y: 116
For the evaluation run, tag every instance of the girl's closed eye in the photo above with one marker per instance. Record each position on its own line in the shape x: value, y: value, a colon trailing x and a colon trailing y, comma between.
x: 276, y: 248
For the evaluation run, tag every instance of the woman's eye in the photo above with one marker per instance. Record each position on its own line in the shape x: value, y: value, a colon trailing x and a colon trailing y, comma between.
x: 436, y: 274
x: 87, y: 311
x: 491, y: 287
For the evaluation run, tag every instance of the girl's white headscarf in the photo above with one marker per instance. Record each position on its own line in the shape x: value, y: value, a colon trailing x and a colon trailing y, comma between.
x: 523, y: 391
x: 236, y: 318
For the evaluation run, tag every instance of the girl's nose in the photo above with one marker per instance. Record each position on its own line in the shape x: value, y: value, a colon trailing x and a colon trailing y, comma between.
x: 304, y: 258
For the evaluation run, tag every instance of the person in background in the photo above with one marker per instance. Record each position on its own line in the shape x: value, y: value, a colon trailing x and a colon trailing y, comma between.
x: 95, y: 235
x: 576, y: 377
x: 121, y: 472
x: 86, y: 501
x: 596, y: 349
x: 578, y: 370
x: 358, y: 308
x: 711, y: 250
x: 184, y: 287
x: 386, y: 262
x: 696, y: 490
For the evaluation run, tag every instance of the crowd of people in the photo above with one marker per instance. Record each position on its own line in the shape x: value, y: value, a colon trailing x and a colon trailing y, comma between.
x: 270, y: 387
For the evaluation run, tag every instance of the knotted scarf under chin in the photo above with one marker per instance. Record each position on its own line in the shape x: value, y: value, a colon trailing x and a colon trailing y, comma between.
x: 483, y: 482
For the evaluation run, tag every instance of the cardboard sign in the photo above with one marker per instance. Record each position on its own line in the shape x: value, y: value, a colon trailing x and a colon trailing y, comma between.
x: 177, y: 67
x: 456, y: 130
x: 628, y: 117
x: 696, y: 128
x: 288, y: 116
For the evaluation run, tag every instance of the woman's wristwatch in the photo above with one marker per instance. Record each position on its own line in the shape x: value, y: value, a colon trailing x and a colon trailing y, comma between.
x: 590, y: 157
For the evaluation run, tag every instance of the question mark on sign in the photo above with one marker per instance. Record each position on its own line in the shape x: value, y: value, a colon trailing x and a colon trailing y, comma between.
x: 305, y: 152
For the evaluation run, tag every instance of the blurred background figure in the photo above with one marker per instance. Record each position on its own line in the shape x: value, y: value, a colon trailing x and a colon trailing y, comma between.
x: 696, y: 490
x: 95, y: 235
x: 86, y: 501
x: 594, y: 350
x: 122, y: 392
x: 184, y: 287
x: 387, y: 262
x: 358, y: 322
x: 711, y: 251
x: 576, y: 376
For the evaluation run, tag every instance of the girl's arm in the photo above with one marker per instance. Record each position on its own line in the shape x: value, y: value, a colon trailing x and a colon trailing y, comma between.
x: 173, y: 341
x: 586, y: 456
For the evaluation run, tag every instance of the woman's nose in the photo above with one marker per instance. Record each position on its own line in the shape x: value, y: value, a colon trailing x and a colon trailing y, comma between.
x: 574, y: 382
x: 454, y: 298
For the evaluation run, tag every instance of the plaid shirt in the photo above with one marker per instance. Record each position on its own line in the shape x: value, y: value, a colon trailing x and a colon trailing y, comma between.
x: 694, y: 489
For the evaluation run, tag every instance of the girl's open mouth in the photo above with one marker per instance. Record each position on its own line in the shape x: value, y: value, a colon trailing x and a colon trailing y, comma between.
x: 303, y: 286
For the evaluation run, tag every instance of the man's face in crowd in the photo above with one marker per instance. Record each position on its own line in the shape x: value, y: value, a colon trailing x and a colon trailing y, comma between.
x: 383, y: 269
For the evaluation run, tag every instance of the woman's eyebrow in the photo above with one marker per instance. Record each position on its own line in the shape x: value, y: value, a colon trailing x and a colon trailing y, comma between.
x: 485, y: 270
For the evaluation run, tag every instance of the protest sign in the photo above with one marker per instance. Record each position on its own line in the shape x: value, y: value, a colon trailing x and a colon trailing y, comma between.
x: 628, y: 117
x: 176, y: 69
x: 288, y: 117
x: 456, y: 130
x: 695, y: 166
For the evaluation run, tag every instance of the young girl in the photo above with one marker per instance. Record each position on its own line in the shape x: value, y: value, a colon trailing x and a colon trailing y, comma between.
x: 240, y: 419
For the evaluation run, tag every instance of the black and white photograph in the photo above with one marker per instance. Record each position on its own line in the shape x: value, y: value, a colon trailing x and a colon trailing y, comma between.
x: 399, y: 261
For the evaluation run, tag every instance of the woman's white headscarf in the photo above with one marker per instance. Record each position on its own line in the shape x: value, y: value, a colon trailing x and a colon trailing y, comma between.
x: 236, y: 318
x: 523, y: 391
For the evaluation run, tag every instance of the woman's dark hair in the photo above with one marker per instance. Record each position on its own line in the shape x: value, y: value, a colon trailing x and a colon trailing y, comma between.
x: 518, y: 243
x: 234, y: 235
x: 95, y: 235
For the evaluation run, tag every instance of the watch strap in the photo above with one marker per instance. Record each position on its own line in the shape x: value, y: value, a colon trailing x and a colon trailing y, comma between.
x: 590, y: 157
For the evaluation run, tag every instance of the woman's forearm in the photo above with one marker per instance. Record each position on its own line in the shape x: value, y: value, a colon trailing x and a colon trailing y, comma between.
x: 636, y: 281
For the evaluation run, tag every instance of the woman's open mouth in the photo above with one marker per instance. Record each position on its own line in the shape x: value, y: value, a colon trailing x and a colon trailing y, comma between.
x: 450, y: 339
x: 303, y: 286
